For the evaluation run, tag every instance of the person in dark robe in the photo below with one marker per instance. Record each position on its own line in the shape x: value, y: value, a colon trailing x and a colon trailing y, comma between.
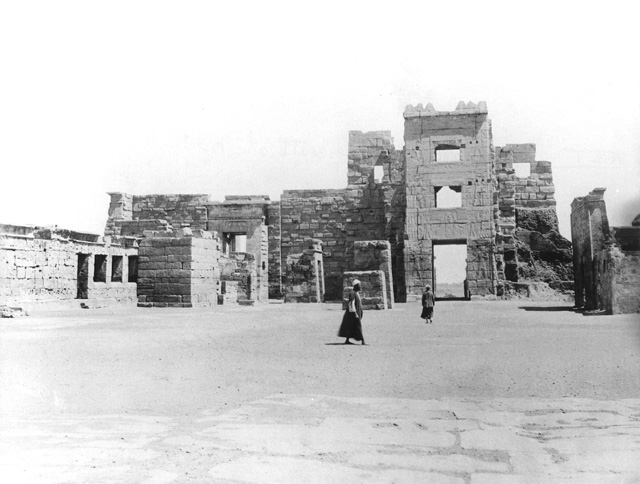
x: 351, y: 326
x: 428, y: 302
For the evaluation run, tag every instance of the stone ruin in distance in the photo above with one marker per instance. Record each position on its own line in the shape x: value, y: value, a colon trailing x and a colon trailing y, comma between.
x: 187, y: 250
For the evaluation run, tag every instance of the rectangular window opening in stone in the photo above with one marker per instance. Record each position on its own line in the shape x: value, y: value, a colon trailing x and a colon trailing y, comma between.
x: 450, y: 269
x: 448, y: 197
x: 116, y: 268
x: 378, y: 173
x: 234, y: 242
x: 448, y: 153
x: 100, y: 268
x: 83, y: 276
x: 133, y: 268
x: 523, y: 170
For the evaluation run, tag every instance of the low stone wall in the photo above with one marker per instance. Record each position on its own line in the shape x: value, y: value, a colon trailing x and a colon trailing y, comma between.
x: 373, y: 293
x: 45, y: 266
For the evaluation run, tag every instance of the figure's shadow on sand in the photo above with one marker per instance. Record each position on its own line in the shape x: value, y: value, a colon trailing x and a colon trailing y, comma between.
x: 547, y: 308
x: 344, y: 344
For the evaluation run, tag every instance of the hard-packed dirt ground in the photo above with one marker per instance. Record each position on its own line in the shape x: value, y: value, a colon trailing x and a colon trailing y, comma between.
x: 491, y: 392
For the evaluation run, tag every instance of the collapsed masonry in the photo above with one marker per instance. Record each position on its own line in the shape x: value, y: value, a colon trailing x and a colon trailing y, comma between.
x: 606, y: 260
x: 302, y: 248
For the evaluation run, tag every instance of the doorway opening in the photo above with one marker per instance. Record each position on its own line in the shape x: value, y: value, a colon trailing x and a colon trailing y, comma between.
x: 83, y: 276
x: 100, y: 268
x: 450, y: 269
x: 133, y: 269
x: 234, y: 242
x: 116, y: 268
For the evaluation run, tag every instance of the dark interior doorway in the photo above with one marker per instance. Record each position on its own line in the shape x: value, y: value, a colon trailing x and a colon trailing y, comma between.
x: 83, y: 276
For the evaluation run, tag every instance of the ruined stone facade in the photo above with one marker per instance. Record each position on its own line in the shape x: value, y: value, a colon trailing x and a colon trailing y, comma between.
x: 448, y: 185
x: 506, y: 220
x: 606, y: 259
x: 371, y: 207
x: 238, y: 224
x: 41, y: 265
x: 429, y: 136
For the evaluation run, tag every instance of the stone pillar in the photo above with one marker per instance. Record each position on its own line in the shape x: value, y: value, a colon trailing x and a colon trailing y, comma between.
x: 178, y: 271
x: 373, y: 294
x: 303, y: 280
x: 375, y: 255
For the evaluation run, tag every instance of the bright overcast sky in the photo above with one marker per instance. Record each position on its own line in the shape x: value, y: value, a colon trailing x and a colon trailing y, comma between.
x: 254, y: 98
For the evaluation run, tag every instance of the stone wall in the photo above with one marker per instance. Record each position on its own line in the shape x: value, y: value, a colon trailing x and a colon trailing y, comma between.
x: 236, y: 215
x: 373, y: 294
x: 625, y: 278
x: 275, y: 252
x: 533, y: 191
x: 51, y: 265
x: 368, y: 151
x: 532, y: 248
x: 428, y: 135
x: 131, y: 214
x: 368, y: 209
x: 324, y: 215
x: 376, y: 255
x: 606, y: 260
x: 178, y: 271
x: 246, y: 215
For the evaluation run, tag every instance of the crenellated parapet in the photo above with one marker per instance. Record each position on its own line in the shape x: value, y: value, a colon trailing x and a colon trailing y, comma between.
x: 419, y: 111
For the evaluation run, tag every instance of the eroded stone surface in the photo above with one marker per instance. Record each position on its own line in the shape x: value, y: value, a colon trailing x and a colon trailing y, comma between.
x: 335, y: 439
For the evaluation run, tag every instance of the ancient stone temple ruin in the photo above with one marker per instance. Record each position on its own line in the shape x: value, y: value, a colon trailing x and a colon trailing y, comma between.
x: 505, y: 218
x: 606, y: 260
x: 448, y: 186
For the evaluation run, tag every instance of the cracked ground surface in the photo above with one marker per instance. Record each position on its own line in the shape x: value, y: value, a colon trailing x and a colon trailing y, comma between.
x: 492, y: 392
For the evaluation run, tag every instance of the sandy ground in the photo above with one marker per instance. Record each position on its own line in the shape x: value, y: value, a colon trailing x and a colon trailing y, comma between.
x: 155, y: 395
